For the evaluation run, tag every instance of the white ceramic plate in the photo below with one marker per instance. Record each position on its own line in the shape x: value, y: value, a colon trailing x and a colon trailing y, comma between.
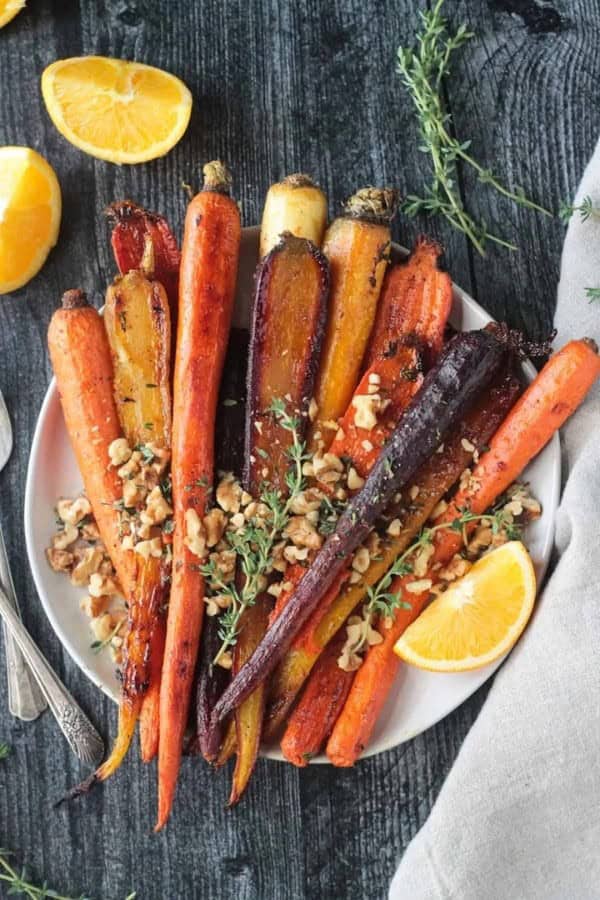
x: 419, y: 699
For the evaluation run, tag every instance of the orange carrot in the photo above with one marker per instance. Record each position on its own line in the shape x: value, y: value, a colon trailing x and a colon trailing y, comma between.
x: 82, y: 365
x: 552, y: 397
x: 319, y: 706
x: 415, y: 300
x: 357, y: 245
x: 206, y: 293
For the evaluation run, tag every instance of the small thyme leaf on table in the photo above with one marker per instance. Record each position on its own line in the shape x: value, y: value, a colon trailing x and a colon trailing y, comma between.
x: 4, y: 750
x: 593, y: 294
x: 586, y: 210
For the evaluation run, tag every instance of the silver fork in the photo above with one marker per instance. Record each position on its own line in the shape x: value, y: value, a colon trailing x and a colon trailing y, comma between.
x: 25, y: 700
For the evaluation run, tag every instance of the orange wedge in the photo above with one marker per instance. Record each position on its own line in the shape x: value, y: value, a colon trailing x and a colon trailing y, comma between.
x: 9, y: 9
x: 30, y: 207
x: 478, y: 618
x: 123, y: 112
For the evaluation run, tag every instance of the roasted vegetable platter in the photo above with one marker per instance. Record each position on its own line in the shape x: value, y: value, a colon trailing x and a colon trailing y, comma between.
x: 278, y: 447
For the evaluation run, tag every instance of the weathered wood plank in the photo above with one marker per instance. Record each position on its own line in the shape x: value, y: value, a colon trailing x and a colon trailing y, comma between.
x: 278, y: 87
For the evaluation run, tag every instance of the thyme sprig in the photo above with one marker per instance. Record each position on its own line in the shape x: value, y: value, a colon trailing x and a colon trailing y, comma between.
x: 253, y: 543
x: 383, y: 602
x: 19, y: 883
x: 422, y: 70
x: 593, y: 294
x: 586, y: 210
x: 4, y: 750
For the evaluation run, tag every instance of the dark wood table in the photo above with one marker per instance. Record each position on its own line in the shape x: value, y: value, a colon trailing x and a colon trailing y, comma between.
x: 278, y: 87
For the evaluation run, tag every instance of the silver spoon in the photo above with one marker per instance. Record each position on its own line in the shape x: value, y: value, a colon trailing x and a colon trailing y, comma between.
x: 25, y: 700
x: 84, y: 740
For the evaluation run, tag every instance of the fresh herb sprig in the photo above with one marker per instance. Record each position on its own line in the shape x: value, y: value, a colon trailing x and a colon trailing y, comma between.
x: 98, y: 646
x: 19, y: 883
x: 384, y: 603
x: 593, y: 294
x: 253, y: 544
x: 586, y: 210
x: 422, y: 70
x: 4, y: 750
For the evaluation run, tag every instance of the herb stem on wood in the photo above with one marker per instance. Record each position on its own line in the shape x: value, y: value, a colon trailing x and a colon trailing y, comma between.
x: 423, y: 69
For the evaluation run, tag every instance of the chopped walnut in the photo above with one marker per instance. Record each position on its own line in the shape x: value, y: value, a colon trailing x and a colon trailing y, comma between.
x: 225, y: 561
x: 157, y: 508
x: 90, y: 531
x: 456, y: 568
x: 306, y: 501
x: 295, y: 554
x: 152, y: 547
x: 103, y: 586
x: 73, y: 511
x: 421, y: 561
x: 60, y: 560
x: 354, y: 481
x: 327, y: 467
x: 303, y: 533
x: 102, y: 626
x: 467, y: 446
x: 131, y: 467
x: 225, y: 660
x: 94, y: 606
x: 313, y: 409
x: 63, y: 539
x: 162, y: 458
x: 361, y: 560
x: 360, y: 634
x: 394, y: 528
x: 89, y: 563
x: 366, y: 408
x: 417, y: 587
x: 229, y: 494
x: 133, y: 493
x: 195, y: 537
x: 214, y: 525
x: 119, y: 452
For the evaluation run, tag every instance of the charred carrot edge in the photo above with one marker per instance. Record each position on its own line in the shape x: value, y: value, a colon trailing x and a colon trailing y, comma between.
x: 206, y: 293
x: 432, y: 482
x: 132, y: 225
x: 416, y: 298
x: 357, y: 245
x: 138, y: 324
x: 547, y: 403
x: 321, y: 702
x: 296, y: 206
x: 465, y: 368
x: 287, y: 331
x: 82, y: 364
x: 288, y: 324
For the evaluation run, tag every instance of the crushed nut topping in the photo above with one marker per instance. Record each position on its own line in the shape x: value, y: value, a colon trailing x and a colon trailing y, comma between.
x: 195, y: 536
x: 119, y: 452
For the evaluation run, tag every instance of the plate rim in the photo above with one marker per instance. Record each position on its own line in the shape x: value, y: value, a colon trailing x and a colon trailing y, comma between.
x: 270, y: 752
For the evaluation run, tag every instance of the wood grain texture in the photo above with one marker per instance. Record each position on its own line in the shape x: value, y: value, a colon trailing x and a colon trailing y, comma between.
x: 278, y: 87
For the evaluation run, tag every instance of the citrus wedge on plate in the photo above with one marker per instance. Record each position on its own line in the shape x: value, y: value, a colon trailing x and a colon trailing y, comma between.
x: 478, y: 618
x: 30, y: 207
x: 123, y: 112
x: 9, y: 9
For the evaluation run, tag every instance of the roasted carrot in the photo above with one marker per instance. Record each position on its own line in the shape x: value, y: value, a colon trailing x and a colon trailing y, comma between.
x: 433, y: 480
x: 82, y: 364
x: 138, y: 326
x: 207, y: 285
x: 323, y: 698
x: 552, y: 397
x: 296, y: 206
x: 357, y: 245
x: 415, y: 300
x: 288, y: 323
x: 287, y: 329
x: 466, y: 366
x: 132, y: 226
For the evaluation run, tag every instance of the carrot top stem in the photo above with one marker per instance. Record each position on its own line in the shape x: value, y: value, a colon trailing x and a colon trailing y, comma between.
x: 299, y: 179
x: 217, y: 177
x: 371, y: 204
x: 74, y: 299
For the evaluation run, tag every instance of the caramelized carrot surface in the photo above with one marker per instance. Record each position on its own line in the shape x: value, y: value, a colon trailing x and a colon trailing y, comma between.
x: 206, y: 292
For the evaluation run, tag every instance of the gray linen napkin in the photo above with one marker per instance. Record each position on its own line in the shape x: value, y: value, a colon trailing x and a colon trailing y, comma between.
x: 518, y: 817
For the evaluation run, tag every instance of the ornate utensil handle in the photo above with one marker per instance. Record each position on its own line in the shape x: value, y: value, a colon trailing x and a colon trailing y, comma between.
x: 81, y: 735
x: 25, y: 700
